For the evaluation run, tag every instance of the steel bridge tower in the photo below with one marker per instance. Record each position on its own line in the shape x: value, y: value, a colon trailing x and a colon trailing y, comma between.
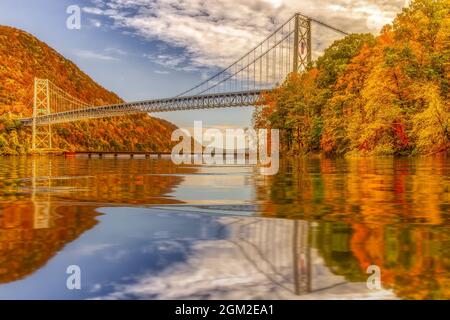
x: 302, y: 43
x: 42, y: 134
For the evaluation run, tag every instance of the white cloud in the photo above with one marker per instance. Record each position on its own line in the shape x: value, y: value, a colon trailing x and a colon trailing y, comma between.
x: 162, y: 72
x: 88, y: 54
x: 99, y: 11
x: 215, y: 33
x: 95, y: 23
x: 170, y: 61
x: 108, y: 54
x: 116, y: 51
x: 90, y: 250
x: 377, y: 19
x: 93, y: 10
x: 274, y: 3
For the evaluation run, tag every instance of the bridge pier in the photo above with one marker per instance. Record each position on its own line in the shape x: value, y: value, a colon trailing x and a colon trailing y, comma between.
x: 115, y: 154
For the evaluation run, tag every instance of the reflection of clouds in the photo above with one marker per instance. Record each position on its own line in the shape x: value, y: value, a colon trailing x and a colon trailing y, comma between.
x: 161, y: 234
x: 96, y: 288
x: 163, y: 246
x: 255, y: 262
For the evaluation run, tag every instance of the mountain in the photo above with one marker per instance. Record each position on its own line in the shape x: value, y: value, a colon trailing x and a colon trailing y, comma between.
x: 22, y: 58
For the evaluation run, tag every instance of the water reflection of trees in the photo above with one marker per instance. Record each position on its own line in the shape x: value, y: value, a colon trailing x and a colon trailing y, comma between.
x: 388, y: 212
x: 119, y: 181
x: 47, y: 203
x: 27, y: 242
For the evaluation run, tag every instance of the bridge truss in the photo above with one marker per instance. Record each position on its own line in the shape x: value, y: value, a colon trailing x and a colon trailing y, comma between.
x: 288, y: 49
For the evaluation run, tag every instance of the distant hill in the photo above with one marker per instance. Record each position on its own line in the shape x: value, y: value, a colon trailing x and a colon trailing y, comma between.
x: 22, y: 58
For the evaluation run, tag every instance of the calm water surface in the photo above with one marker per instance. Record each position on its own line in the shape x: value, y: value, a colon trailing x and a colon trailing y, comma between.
x: 146, y: 229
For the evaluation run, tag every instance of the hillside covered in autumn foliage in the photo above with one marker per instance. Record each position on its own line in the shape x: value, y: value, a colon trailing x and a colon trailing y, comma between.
x: 22, y: 58
x: 367, y: 95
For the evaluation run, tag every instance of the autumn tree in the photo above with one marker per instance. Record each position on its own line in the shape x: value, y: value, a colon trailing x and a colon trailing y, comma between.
x: 387, y: 95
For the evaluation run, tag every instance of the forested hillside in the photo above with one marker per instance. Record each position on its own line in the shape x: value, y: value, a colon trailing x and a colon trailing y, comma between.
x: 22, y: 58
x: 372, y: 95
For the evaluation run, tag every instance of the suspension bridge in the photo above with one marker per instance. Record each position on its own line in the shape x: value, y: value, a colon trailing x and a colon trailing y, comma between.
x: 288, y: 49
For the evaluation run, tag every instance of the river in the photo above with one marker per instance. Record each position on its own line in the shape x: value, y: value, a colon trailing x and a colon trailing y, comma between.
x: 147, y: 229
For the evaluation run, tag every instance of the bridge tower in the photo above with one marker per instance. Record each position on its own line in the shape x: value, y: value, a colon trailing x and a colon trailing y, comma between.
x: 42, y: 134
x: 302, y: 258
x: 41, y: 177
x: 302, y: 43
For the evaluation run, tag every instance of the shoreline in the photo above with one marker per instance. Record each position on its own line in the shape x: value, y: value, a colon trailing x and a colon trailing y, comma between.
x: 61, y: 153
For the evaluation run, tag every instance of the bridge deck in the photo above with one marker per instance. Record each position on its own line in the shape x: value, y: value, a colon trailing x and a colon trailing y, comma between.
x: 209, y: 101
x: 132, y: 154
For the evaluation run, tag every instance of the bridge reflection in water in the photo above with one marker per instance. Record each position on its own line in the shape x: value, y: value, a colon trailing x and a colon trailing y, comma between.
x: 271, y: 253
x: 249, y: 257
x: 278, y: 249
x: 46, y: 203
x: 257, y: 258
x: 33, y: 233
x: 231, y: 251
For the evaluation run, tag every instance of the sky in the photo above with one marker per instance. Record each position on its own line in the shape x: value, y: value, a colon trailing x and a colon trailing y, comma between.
x: 145, y: 49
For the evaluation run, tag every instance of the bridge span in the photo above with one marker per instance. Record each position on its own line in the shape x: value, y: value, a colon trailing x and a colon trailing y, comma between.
x: 207, y: 101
